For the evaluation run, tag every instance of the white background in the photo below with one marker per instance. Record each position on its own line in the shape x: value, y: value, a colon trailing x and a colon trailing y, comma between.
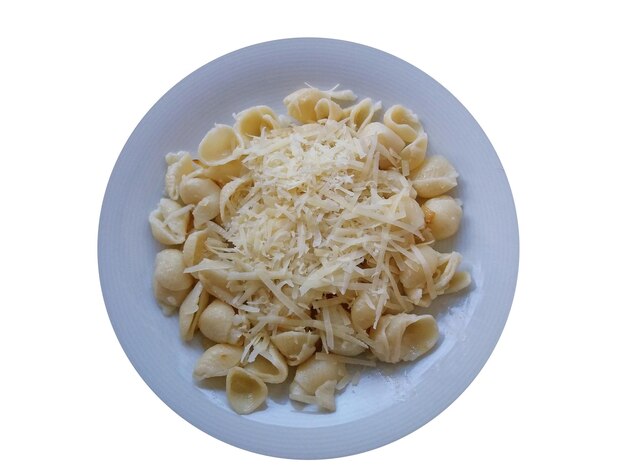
x: 546, y: 81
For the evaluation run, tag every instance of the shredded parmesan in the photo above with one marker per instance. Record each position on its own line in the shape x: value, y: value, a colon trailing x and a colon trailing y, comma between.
x: 309, y: 210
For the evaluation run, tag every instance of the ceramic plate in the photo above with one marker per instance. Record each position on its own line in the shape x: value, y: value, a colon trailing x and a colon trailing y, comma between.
x: 387, y: 403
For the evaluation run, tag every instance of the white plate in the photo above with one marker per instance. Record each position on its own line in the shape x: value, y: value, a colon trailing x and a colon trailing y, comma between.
x: 387, y: 404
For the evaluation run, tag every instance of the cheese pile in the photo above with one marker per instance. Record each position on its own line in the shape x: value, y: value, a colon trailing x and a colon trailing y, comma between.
x: 313, y: 223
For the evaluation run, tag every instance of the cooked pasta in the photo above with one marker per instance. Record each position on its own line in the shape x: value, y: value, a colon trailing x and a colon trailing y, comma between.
x: 306, y: 241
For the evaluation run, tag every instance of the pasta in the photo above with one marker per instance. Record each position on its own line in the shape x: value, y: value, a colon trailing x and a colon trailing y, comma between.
x: 252, y: 121
x: 269, y: 365
x: 445, y: 216
x: 296, y: 346
x: 217, y: 360
x: 435, y: 177
x: 245, y: 391
x: 315, y: 382
x: 306, y: 241
x: 219, y: 323
x: 189, y: 312
x: 169, y: 270
x: 362, y: 113
x: 169, y: 222
x: 404, y: 337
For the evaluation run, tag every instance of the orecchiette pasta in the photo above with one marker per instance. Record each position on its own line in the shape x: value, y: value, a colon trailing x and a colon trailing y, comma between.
x: 306, y: 241
x: 245, y: 391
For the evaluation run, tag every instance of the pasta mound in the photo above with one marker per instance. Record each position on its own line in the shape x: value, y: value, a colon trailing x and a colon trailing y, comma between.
x: 306, y: 242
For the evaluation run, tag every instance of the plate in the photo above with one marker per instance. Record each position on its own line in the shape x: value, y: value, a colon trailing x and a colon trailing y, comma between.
x: 387, y: 403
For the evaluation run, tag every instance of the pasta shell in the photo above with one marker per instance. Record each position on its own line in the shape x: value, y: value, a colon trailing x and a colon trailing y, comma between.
x: 218, y: 145
x: 313, y: 373
x: 389, y: 144
x: 215, y: 281
x: 179, y: 165
x: 218, y: 323
x: 435, y: 177
x: 251, y: 122
x: 217, y: 361
x: 245, y: 391
x: 386, y: 137
x: 190, y: 309
x: 446, y: 216
x: 194, y: 249
x: 169, y: 270
x: 169, y: 300
x: 206, y: 209
x: 414, y: 275
x: 301, y: 104
x: 196, y: 246
x: 362, y: 113
x: 193, y: 189
x: 339, y: 316
x: 449, y: 263
x: 228, y: 191
x: 328, y: 109
x: 325, y: 395
x: 404, y: 337
x: 269, y: 365
x: 363, y: 311
x: 415, y: 152
x: 226, y: 172
x: 169, y: 222
x: 296, y: 346
x: 403, y: 122
x: 414, y: 214
x: 460, y: 280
